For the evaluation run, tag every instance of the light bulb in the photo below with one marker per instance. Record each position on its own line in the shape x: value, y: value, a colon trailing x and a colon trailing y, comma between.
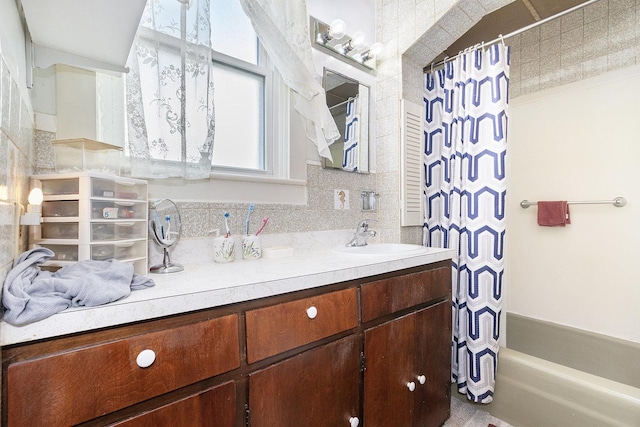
x: 33, y: 215
x: 35, y: 197
x: 375, y: 49
x: 338, y: 29
x: 358, y: 40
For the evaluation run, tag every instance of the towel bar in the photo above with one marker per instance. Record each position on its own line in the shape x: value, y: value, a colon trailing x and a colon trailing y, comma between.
x: 617, y: 202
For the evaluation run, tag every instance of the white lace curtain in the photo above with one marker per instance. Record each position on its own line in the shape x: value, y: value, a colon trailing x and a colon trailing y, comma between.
x: 282, y: 28
x: 170, y: 108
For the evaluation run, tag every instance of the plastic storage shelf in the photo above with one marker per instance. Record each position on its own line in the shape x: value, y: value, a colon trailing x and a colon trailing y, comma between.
x: 88, y: 215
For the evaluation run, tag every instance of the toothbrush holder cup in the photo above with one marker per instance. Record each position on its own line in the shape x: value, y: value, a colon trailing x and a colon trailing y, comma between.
x: 223, y: 249
x: 251, y: 247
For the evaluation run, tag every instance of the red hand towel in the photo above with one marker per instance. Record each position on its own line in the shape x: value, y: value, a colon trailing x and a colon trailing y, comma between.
x: 553, y: 214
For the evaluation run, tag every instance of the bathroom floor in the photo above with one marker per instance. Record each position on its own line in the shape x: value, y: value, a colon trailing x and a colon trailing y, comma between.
x: 465, y: 414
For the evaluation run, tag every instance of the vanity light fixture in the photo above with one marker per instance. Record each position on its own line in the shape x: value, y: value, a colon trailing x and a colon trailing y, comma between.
x: 34, y: 208
x: 373, y: 51
x: 354, y: 49
x: 336, y: 30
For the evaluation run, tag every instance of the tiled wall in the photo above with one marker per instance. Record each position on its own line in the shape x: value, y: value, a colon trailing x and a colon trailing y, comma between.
x: 317, y: 215
x: 590, y: 41
x: 413, y: 33
x: 16, y: 155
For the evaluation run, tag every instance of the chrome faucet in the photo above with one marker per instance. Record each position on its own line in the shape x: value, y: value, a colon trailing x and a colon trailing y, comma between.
x: 362, y: 234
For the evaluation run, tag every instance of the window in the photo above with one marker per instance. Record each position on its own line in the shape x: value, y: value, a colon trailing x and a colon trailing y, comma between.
x: 251, y: 111
x: 243, y: 94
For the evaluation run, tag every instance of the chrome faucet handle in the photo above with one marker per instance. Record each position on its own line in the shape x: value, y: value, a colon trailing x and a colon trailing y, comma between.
x: 364, y: 224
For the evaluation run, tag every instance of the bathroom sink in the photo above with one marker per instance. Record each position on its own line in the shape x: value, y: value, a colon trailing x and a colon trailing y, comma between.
x: 383, y: 249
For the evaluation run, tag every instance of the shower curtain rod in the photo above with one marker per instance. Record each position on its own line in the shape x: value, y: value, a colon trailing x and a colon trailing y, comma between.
x: 513, y: 33
x: 339, y: 104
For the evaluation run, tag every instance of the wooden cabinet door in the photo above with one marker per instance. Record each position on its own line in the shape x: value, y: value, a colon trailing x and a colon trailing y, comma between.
x: 317, y: 388
x: 433, y: 361
x: 214, y: 407
x: 389, y: 353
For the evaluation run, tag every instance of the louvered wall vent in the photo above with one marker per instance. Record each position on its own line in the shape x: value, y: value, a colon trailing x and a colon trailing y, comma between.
x: 411, y: 170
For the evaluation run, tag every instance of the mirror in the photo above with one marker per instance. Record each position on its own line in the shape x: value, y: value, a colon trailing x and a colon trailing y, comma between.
x: 348, y: 101
x: 165, y: 225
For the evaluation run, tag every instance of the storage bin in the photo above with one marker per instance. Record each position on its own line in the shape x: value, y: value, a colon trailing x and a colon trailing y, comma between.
x: 83, y: 154
x: 61, y: 187
x: 118, y: 231
x: 118, y: 189
x: 60, y: 209
x: 59, y: 230
x: 63, y: 252
x: 119, y: 251
x: 117, y: 210
x: 89, y: 215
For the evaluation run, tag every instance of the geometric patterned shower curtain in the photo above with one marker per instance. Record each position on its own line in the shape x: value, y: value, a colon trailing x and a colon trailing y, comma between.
x: 351, y: 135
x: 465, y: 188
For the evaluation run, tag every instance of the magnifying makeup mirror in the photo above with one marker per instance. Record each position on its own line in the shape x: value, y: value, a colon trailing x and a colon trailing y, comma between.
x: 164, y: 226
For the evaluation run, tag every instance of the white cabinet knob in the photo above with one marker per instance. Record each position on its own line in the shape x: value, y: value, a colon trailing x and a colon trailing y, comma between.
x: 312, y: 312
x: 146, y: 358
x: 411, y: 386
x: 354, y: 422
x: 422, y: 379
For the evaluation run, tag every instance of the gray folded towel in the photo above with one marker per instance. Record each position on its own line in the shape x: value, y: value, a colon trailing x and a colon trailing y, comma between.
x: 31, y: 294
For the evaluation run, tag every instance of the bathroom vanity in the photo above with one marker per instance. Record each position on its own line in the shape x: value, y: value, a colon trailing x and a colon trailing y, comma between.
x: 354, y: 341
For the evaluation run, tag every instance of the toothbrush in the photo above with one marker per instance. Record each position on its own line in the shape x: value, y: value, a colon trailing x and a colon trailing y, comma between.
x: 168, y: 219
x: 157, y: 222
x: 264, y: 224
x: 246, y: 225
x: 226, y: 223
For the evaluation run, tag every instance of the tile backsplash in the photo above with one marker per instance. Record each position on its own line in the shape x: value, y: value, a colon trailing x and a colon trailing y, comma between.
x: 316, y: 225
x: 16, y: 163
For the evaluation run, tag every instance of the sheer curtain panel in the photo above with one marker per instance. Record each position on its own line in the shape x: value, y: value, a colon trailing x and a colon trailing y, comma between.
x: 170, y: 110
x: 282, y: 27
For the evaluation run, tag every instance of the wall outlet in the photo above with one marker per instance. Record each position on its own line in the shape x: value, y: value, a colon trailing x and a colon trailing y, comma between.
x: 341, y: 199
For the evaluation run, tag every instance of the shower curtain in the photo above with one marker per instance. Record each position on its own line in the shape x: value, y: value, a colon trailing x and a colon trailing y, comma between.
x: 351, y: 135
x: 465, y: 187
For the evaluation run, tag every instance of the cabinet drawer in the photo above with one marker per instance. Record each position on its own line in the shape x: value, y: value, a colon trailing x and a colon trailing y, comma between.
x: 119, y: 251
x: 119, y: 188
x: 272, y: 330
x: 60, y: 187
x: 78, y: 385
x: 59, y: 230
x: 60, y: 209
x: 101, y: 209
x: 62, y: 252
x: 118, y: 231
x: 398, y: 293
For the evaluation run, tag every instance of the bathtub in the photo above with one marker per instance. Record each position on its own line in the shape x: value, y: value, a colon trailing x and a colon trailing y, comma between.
x: 552, y: 375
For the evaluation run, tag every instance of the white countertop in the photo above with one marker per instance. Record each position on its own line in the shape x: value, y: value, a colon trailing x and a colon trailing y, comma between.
x: 207, y: 285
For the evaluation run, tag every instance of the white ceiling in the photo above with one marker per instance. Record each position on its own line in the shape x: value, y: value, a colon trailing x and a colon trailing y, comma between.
x: 100, y: 30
